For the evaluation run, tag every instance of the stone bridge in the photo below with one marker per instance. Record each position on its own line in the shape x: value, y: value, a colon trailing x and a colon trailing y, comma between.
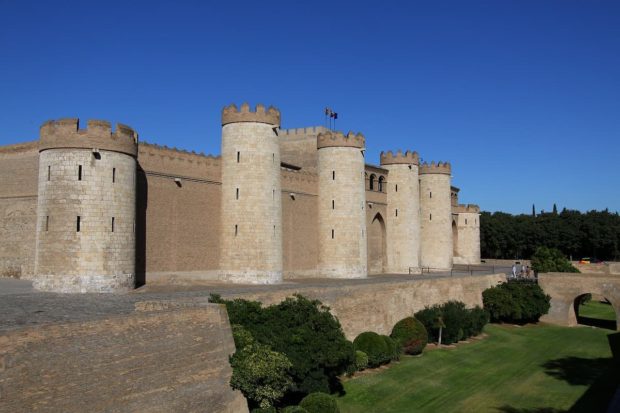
x: 565, y: 288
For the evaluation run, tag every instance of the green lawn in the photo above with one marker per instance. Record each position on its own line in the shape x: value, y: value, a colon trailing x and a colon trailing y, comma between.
x: 515, y: 369
x: 596, y: 309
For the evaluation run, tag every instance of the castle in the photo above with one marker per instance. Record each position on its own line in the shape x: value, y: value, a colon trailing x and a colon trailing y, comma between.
x: 93, y: 210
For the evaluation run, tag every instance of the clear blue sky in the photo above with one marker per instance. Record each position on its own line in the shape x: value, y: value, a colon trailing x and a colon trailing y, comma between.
x: 522, y: 97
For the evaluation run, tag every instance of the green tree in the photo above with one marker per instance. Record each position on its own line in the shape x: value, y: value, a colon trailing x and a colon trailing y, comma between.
x: 551, y: 260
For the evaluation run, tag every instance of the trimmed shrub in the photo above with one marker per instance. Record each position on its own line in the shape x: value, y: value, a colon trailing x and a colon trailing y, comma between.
x: 411, y: 335
x: 394, y: 348
x: 375, y: 348
x: 361, y: 360
x: 458, y: 321
x: 478, y: 318
x: 428, y: 317
x: 516, y: 302
x: 319, y: 403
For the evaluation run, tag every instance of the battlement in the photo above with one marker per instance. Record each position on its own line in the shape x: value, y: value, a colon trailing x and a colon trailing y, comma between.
x: 66, y: 133
x: 433, y: 168
x: 230, y: 114
x: 389, y: 158
x: 335, y: 139
x: 469, y: 208
x: 302, y: 132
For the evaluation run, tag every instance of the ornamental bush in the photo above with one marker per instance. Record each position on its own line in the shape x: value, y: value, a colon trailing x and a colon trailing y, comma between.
x: 319, y: 403
x: 411, y: 334
x: 305, y: 332
x: 394, y: 348
x: 374, y: 346
x: 518, y: 303
x: 294, y: 409
x: 361, y: 360
x: 456, y: 321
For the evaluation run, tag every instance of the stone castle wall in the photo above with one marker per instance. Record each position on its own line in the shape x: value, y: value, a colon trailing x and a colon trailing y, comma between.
x: 153, y: 360
x: 19, y: 166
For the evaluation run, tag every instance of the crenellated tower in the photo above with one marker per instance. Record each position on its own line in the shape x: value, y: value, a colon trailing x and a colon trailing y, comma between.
x: 251, y: 206
x: 342, y: 210
x: 403, y: 211
x: 435, y: 216
x: 85, y: 240
x: 467, y: 237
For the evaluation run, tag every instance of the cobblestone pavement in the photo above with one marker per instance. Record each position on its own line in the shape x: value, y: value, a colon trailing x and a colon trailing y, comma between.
x: 21, y: 305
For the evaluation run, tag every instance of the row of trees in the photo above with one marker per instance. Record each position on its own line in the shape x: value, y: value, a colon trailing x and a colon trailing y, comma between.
x: 592, y: 234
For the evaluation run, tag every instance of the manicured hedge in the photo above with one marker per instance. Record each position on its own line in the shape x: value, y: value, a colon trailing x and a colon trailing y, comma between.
x: 458, y: 321
x: 411, y: 334
x: 374, y: 346
x: 518, y: 303
x: 319, y: 403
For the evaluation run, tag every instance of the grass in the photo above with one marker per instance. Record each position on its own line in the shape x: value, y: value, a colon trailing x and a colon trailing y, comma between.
x: 535, y: 368
x: 596, y: 309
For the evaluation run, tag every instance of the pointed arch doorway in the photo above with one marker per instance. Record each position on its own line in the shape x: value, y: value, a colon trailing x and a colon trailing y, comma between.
x: 376, y: 245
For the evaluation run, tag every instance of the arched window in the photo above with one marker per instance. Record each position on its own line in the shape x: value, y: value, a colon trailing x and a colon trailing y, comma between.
x: 381, y: 179
x: 372, y: 182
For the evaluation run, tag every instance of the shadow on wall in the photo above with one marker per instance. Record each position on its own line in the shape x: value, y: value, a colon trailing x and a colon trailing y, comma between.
x: 142, y: 195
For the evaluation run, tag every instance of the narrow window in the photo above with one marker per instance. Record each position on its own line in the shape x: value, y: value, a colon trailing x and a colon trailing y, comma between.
x: 273, y: 194
x: 113, y: 175
x: 274, y: 230
x: 396, y: 212
x: 79, y: 172
x: 333, y: 175
x: 236, y: 230
x: 112, y: 224
x: 430, y: 217
x: 430, y: 194
x: 396, y: 187
x: 332, y: 234
x: 273, y: 157
x: 465, y: 221
x: 333, y: 204
x: 362, y: 233
x: 238, y: 156
x: 47, y: 223
x: 49, y: 172
x: 237, y: 196
x: 78, y: 224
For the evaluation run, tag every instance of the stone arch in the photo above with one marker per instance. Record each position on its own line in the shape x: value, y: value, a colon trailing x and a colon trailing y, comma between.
x: 381, y: 183
x: 376, y: 245
x: 455, y: 239
x: 371, y: 182
x: 575, y: 318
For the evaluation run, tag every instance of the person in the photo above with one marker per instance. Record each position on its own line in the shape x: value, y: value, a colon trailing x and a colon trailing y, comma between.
x: 514, y: 270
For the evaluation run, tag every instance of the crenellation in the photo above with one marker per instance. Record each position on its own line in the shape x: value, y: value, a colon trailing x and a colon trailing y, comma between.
x: 436, y: 168
x: 339, y: 139
x: 230, y: 114
x: 408, y: 157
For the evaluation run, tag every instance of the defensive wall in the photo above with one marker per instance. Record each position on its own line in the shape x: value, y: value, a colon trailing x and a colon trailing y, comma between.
x: 164, y: 356
x: 376, y: 304
x: 565, y: 288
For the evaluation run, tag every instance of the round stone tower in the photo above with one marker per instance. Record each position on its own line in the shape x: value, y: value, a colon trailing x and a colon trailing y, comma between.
x: 251, y: 231
x: 467, y: 243
x: 342, y: 209
x: 85, y: 240
x: 435, y: 216
x: 403, y: 212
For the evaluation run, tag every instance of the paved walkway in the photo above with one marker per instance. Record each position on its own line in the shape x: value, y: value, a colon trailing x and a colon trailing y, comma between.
x: 21, y: 305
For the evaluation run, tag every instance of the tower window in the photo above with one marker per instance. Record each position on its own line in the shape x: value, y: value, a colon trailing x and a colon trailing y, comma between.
x: 396, y: 187
x: 430, y: 217
x: 77, y: 229
x: 381, y: 179
x: 238, y: 156
x: 332, y: 234
x: 274, y: 230
x: 273, y: 194
x: 465, y: 221
x: 237, y: 195
x: 113, y: 175
x: 47, y: 223
x: 333, y: 175
x: 236, y: 230
x: 362, y: 233
x: 430, y: 194
x: 112, y: 224
x: 396, y: 212
x: 333, y: 204
x: 273, y: 157
x: 372, y: 182
x: 79, y: 172
x: 49, y: 172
